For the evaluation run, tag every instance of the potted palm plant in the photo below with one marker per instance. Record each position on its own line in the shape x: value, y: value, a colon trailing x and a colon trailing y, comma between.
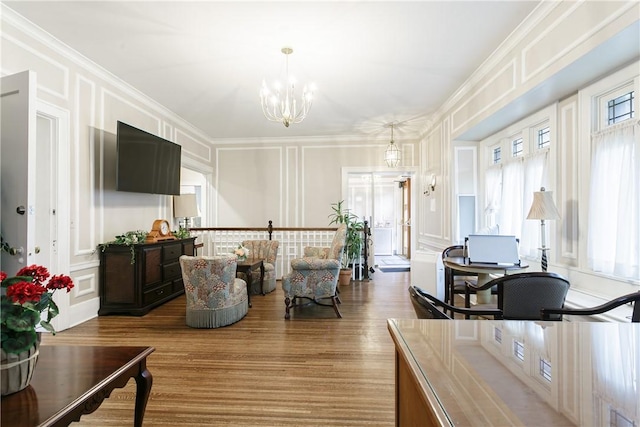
x: 353, y: 241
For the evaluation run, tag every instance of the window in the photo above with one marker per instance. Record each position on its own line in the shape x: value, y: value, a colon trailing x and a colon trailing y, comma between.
x: 496, y: 155
x: 620, y: 108
x: 544, y: 139
x: 516, y: 147
x: 545, y: 369
x: 511, y: 181
x: 619, y: 420
x: 614, y: 190
x: 518, y: 349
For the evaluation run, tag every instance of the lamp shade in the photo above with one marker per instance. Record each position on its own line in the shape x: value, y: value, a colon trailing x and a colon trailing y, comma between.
x: 543, y: 206
x: 185, y: 206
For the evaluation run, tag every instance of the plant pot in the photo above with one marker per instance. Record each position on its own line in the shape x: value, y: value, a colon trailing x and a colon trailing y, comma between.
x: 357, y: 272
x: 345, y: 277
x: 17, y: 369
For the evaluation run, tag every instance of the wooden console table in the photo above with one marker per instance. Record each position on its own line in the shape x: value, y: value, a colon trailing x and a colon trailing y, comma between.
x: 71, y: 381
x: 153, y: 279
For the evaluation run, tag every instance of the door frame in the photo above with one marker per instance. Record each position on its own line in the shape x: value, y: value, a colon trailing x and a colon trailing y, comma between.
x: 409, y: 171
x: 60, y: 249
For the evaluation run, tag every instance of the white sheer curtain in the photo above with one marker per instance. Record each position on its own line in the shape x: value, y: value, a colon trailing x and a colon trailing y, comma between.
x: 492, y: 193
x: 614, y: 201
x: 616, y: 373
x: 511, y: 214
x: 535, y: 175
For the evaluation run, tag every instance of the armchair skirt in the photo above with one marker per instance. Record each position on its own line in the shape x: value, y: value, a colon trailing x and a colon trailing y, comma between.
x: 214, y: 296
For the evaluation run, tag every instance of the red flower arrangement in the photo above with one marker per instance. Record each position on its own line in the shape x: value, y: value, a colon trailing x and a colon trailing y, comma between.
x: 23, y: 299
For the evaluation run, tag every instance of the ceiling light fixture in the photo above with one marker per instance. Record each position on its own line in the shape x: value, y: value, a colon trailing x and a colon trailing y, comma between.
x: 280, y: 105
x: 392, y: 153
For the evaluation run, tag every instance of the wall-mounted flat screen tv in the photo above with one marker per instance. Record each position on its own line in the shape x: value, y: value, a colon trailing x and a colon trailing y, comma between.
x: 146, y: 163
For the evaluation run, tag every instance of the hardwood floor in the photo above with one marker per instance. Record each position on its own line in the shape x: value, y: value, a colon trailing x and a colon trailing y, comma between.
x: 312, y: 370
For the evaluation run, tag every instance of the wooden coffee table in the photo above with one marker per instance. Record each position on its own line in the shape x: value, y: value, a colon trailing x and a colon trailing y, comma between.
x: 246, y: 267
x: 71, y: 381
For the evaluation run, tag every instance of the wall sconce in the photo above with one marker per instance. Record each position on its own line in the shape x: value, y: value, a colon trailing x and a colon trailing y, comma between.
x: 431, y: 186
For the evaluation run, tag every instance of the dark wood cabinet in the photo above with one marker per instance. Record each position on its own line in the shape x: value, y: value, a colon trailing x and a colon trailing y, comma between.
x: 153, y: 279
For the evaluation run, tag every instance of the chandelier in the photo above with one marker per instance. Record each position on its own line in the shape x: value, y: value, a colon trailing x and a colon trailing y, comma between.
x: 392, y: 153
x: 281, y: 105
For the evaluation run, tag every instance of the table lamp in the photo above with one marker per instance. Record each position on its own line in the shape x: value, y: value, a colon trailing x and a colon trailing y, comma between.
x: 185, y: 206
x: 543, y: 208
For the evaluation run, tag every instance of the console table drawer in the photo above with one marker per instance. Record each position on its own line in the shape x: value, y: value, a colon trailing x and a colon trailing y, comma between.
x: 157, y: 294
x: 171, y: 252
x: 171, y: 271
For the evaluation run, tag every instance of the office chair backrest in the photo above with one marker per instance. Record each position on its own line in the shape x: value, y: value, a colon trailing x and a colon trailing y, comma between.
x: 423, y: 307
x: 524, y: 294
x: 454, y: 251
x: 548, y: 313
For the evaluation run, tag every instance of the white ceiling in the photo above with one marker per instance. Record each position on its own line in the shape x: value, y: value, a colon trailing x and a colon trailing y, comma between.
x: 373, y: 62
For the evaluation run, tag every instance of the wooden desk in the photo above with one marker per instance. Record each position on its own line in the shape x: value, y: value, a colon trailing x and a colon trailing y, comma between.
x: 466, y: 372
x: 246, y: 267
x: 70, y: 381
x: 484, y: 272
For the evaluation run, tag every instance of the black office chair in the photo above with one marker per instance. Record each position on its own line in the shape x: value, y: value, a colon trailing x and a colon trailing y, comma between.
x: 632, y: 298
x: 521, y: 296
x: 426, y: 307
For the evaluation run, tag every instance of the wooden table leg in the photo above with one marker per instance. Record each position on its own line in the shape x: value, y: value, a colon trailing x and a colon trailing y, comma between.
x: 249, y: 277
x: 262, y: 277
x: 144, y: 381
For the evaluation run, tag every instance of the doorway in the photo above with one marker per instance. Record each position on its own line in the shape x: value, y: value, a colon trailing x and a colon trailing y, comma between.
x: 383, y: 199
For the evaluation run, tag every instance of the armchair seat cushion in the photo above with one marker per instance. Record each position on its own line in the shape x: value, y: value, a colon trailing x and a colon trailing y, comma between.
x: 311, y: 263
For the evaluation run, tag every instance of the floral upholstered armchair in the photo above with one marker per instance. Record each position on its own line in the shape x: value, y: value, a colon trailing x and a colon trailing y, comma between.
x: 215, y: 297
x: 315, y: 276
x: 267, y: 250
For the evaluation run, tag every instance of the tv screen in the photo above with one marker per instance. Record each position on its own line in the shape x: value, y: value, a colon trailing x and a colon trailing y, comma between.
x: 146, y: 163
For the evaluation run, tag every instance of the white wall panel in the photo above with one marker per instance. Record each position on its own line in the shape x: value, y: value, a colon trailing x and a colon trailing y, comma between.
x: 573, y: 24
x: 53, y: 77
x: 83, y: 176
x: 115, y: 107
x: 195, y: 147
x: 568, y: 204
x: 291, y: 202
x: 498, y: 87
x: 249, y: 186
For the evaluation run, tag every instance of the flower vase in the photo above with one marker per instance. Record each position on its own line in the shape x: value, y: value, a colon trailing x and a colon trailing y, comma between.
x: 17, y: 369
